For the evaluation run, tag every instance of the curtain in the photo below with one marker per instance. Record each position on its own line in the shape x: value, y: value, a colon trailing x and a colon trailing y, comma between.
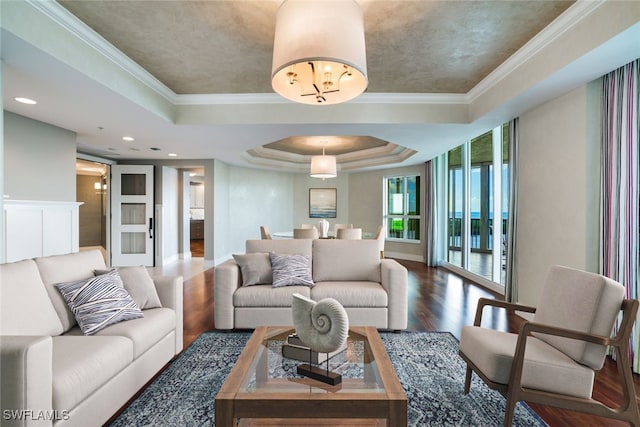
x: 435, y: 229
x: 429, y: 211
x: 511, y: 285
x: 620, y: 185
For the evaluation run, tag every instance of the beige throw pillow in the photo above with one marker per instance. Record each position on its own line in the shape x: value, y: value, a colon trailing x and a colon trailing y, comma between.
x: 139, y: 284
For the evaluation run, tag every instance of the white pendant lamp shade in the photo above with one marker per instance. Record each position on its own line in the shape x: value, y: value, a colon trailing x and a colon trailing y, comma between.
x: 319, y: 51
x: 323, y: 166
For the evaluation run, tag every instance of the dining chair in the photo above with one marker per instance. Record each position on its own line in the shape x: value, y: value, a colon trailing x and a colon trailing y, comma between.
x: 349, y: 233
x: 554, y: 358
x: 381, y: 236
x: 308, y: 226
x: 305, y: 233
x: 264, y: 233
x: 336, y: 227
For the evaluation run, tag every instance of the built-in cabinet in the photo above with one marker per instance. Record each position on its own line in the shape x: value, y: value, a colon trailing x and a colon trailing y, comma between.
x: 197, y: 195
x: 197, y: 229
x: 40, y: 228
x: 196, y: 210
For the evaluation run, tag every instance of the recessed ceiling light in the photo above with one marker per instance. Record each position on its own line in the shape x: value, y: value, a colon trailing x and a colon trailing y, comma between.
x: 25, y: 100
x: 128, y: 138
x: 172, y: 155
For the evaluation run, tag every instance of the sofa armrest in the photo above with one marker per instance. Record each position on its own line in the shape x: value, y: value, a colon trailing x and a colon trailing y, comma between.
x: 26, y: 376
x: 394, y: 279
x: 225, y: 282
x: 169, y: 290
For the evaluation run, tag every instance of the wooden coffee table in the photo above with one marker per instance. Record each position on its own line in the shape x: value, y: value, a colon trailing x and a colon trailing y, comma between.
x: 262, y: 389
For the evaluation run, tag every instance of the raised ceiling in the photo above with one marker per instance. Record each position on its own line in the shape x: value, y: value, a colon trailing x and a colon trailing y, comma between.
x: 222, y: 47
x: 216, y: 47
x: 192, y: 77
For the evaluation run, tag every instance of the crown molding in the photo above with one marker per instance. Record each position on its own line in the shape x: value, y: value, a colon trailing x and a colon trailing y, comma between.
x: 54, y: 11
x: 563, y: 23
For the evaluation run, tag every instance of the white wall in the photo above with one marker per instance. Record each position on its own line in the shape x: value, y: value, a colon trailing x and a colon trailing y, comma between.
x: 557, y: 190
x: 170, y: 213
x: 2, y: 231
x: 303, y: 182
x: 250, y: 198
x: 39, y: 160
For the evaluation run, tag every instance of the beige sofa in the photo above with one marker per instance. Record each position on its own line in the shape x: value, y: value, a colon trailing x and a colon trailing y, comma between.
x: 53, y: 374
x: 372, y: 290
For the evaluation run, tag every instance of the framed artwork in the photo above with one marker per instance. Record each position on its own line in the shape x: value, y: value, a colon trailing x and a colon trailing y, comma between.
x: 322, y: 202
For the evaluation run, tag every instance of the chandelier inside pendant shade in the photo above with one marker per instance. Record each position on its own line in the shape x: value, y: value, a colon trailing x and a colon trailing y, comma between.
x: 319, y: 51
x: 323, y: 166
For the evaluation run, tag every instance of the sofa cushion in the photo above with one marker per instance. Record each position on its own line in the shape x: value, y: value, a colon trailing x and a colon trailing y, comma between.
x: 255, y: 268
x: 290, y: 270
x: 99, y: 302
x: 67, y: 268
x: 351, y: 294
x: 285, y: 246
x: 25, y: 307
x: 145, y: 332
x: 139, y: 284
x: 267, y: 296
x: 346, y: 260
x: 81, y: 365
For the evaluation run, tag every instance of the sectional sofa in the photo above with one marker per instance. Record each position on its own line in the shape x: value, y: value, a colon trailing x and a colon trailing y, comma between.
x: 372, y: 290
x: 51, y: 372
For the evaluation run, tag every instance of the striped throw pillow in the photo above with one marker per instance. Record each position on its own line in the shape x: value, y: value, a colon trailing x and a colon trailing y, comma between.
x: 99, y: 302
x: 290, y: 270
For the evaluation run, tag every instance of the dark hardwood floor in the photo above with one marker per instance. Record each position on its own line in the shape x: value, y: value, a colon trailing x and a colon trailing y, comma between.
x: 196, y: 247
x: 438, y: 301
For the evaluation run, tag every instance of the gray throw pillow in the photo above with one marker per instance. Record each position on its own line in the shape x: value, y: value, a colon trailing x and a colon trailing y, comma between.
x: 139, y: 284
x: 255, y: 268
x: 290, y: 270
x: 99, y: 302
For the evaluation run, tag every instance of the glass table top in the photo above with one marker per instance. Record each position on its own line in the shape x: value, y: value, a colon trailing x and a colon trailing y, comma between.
x: 270, y: 372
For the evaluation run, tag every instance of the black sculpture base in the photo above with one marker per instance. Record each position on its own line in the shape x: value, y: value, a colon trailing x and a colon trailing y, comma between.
x: 319, y: 374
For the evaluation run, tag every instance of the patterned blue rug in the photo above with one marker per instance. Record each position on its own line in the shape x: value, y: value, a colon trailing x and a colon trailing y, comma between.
x: 427, y: 364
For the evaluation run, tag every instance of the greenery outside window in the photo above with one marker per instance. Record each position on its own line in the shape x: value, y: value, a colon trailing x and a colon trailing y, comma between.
x: 402, y: 208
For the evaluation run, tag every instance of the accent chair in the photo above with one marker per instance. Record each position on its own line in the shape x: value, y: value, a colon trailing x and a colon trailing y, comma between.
x: 554, y: 358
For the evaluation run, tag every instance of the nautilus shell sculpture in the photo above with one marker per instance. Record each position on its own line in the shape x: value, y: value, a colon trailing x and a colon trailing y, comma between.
x: 322, y: 325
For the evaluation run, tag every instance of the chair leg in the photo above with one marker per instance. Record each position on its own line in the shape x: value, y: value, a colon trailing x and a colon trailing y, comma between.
x: 467, y: 380
x: 509, y: 410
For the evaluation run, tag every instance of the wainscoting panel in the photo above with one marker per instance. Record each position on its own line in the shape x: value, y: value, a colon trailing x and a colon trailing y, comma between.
x: 40, y: 228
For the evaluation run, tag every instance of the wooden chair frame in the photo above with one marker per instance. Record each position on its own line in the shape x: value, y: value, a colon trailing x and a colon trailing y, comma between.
x: 514, y: 391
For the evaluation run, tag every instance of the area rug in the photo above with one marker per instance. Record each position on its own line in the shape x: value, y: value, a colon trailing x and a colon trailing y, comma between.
x: 427, y: 364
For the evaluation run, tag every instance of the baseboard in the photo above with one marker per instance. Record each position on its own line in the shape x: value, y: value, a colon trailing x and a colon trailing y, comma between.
x: 171, y: 259
x: 403, y: 256
x: 185, y: 255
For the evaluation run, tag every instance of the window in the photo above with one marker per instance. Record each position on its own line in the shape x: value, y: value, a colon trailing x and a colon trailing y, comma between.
x: 477, y: 204
x: 402, y: 207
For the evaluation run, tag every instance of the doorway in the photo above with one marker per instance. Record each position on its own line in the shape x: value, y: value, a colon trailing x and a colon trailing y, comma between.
x: 92, y: 190
x: 196, y: 212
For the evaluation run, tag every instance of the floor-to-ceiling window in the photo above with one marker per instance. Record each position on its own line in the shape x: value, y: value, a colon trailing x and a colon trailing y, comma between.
x: 455, y: 195
x: 477, y: 204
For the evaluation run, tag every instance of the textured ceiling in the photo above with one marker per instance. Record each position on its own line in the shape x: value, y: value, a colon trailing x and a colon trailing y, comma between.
x: 215, y: 47
x: 440, y: 72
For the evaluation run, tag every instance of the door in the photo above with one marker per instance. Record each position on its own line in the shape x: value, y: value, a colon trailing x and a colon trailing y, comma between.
x: 132, y: 219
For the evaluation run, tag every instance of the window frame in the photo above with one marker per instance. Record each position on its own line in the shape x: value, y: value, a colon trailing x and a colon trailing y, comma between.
x: 386, y: 216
